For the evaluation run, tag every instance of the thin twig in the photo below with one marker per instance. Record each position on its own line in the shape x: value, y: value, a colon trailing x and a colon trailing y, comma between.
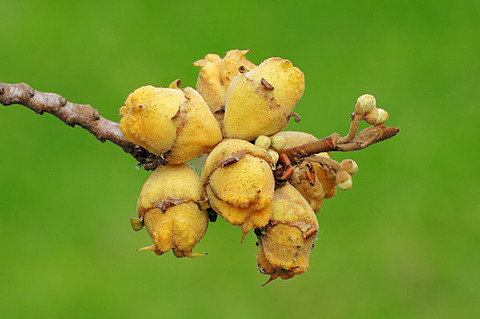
x: 365, y: 138
x: 75, y: 114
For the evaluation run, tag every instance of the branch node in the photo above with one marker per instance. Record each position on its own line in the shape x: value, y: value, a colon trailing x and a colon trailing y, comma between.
x: 63, y: 101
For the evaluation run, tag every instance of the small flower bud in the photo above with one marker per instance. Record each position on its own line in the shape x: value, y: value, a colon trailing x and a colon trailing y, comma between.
x: 376, y: 116
x: 274, y: 156
x: 367, y: 103
x: 382, y: 116
x: 278, y: 141
x: 263, y: 141
x: 343, y: 180
x: 350, y: 166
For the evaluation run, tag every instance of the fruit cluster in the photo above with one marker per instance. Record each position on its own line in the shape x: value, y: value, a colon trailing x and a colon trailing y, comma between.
x: 236, y: 116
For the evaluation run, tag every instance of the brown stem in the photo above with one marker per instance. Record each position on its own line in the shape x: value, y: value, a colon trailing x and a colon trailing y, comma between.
x: 76, y: 114
x: 325, y: 161
x: 365, y: 138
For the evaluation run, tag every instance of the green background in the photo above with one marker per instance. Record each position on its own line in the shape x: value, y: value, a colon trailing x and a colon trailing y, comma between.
x: 403, y: 243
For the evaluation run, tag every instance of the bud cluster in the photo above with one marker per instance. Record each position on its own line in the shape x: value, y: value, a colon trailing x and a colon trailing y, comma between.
x: 236, y: 116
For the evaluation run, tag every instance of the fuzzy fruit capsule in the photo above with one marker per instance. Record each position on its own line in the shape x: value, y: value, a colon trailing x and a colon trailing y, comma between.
x: 321, y: 187
x: 260, y: 101
x: 239, y: 183
x: 170, y: 122
x: 285, y: 243
x: 215, y: 77
x: 168, y: 205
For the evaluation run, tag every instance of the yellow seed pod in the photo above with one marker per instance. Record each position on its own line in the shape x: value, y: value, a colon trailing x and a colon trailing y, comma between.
x: 168, y: 206
x: 285, y: 243
x: 260, y: 101
x: 239, y: 183
x: 321, y: 187
x: 170, y: 122
x: 215, y: 77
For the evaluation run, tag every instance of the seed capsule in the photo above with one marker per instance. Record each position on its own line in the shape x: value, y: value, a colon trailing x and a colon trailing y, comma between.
x: 170, y: 122
x: 239, y: 183
x: 284, y: 246
x: 216, y: 75
x: 260, y: 102
x: 168, y: 205
x: 322, y: 186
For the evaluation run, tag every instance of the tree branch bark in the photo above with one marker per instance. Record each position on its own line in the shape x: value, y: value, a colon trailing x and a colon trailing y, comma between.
x: 72, y: 114
x: 89, y: 118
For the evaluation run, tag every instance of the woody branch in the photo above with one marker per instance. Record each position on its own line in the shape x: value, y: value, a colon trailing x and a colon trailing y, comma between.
x: 72, y: 114
x: 89, y: 118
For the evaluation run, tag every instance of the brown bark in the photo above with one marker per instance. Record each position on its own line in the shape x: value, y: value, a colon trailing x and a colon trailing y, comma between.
x: 86, y: 116
x: 76, y: 114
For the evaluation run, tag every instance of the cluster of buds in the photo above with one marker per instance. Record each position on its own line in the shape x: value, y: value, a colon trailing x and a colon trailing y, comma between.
x: 254, y: 175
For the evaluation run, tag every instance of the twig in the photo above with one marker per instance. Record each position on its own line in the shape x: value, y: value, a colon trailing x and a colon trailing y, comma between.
x: 365, y: 138
x: 90, y: 119
x: 76, y: 114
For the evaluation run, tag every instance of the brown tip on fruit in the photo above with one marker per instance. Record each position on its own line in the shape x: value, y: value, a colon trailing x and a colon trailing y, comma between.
x: 266, y: 85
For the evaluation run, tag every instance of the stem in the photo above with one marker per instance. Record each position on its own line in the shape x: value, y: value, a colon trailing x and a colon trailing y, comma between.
x: 334, y: 142
x: 76, y: 114
x: 86, y: 116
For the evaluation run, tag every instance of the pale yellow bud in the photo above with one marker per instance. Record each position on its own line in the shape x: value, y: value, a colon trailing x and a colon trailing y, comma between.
x: 367, y: 102
x: 343, y: 180
x: 350, y: 166
x: 376, y: 116
x: 274, y: 156
x: 263, y: 141
x: 278, y: 142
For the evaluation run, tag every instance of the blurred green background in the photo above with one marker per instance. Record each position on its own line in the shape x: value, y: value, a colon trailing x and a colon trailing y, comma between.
x: 403, y: 243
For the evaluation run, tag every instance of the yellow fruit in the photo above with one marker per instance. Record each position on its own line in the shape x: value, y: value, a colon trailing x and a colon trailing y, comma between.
x: 170, y: 122
x: 285, y: 243
x: 168, y: 205
x: 260, y: 102
x: 216, y: 75
x: 239, y: 183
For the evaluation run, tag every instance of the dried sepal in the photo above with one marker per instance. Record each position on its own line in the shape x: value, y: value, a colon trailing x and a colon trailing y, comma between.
x: 215, y: 77
x: 285, y: 243
x: 169, y: 206
x: 260, y: 101
x: 239, y: 183
x: 170, y: 122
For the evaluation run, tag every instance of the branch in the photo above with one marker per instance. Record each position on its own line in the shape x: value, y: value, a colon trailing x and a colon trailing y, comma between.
x: 76, y: 114
x: 365, y: 138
